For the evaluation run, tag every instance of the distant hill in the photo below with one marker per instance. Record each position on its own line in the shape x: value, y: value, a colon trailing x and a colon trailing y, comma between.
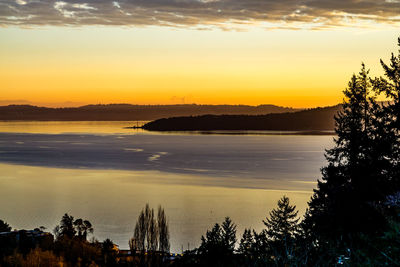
x: 317, y: 119
x: 127, y: 112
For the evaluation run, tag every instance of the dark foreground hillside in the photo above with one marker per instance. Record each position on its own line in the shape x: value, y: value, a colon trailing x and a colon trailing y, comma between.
x: 127, y: 112
x: 318, y: 119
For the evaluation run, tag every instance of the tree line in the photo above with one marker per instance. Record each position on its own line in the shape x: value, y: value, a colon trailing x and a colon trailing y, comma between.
x: 316, y: 119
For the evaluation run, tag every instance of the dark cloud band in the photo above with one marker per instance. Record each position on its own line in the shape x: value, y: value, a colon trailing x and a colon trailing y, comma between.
x: 199, y: 13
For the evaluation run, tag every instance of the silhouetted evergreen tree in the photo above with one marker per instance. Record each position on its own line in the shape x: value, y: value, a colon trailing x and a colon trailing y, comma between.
x: 4, y: 227
x: 229, y: 234
x: 282, y: 226
x: 217, y: 247
x: 383, y: 247
x: 246, y: 244
x: 261, y: 248
x: 253, y: 249
x: 282, y: 223
x: 390, y: 117
x: 343, y: 207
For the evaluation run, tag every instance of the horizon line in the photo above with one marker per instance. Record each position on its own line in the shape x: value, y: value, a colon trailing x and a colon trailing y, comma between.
x: 79, y: 105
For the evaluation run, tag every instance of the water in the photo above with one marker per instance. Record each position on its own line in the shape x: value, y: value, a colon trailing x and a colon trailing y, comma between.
x: 106, y: 173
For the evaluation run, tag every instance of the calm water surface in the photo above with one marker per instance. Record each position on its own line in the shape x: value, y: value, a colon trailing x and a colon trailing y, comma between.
x: 105, y: 173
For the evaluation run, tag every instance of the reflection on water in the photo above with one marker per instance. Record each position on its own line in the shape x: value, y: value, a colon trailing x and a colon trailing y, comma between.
x: 106, y: 175
x: 111, y: 200
x: 244, y: 157
x: 56, y: 127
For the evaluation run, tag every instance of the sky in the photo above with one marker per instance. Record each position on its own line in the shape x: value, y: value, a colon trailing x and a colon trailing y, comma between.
x: 298, y: 53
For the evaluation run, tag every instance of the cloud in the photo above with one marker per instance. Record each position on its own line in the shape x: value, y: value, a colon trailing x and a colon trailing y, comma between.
x: 202, y: 14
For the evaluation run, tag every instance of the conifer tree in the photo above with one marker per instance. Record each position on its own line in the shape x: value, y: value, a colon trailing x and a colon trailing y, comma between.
x: 389, y: 118
x: 220, y: 239
x: 4, y: 227
x: 229, y: 234
x: 283, y: 221
x: 282, y: 225
x: 217, y: 247
x: 343, y: 208
x: 246, y: 243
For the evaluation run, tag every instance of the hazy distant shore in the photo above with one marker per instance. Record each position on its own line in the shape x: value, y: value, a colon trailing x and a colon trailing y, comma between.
x: 200, y: 119
x: 127, y: 112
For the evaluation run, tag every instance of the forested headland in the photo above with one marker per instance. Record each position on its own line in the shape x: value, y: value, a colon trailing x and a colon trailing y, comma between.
x: 317, y: 119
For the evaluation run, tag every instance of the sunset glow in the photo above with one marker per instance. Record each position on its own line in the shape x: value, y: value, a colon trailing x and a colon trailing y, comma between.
x: 302, y: 66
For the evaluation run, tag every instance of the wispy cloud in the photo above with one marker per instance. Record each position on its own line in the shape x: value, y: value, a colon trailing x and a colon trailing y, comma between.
x: 289, y: 14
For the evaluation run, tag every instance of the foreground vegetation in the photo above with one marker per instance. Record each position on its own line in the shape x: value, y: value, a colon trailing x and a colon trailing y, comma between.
x: 353, y: 217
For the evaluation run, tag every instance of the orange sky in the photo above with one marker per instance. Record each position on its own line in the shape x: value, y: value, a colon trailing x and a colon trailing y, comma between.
x: 161, y: 65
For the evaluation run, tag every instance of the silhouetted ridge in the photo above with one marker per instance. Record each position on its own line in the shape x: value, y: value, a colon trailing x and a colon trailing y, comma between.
x: 317, y: 119
x: 126, y: 112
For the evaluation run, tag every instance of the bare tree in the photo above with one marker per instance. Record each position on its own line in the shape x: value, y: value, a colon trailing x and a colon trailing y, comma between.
x: 140, y: 232
x: 163, y: 231
x: 147, y: 218
x: 151, y: 234
x: 133, y: 245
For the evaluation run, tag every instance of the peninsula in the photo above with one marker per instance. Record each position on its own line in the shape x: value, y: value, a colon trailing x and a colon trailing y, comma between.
x: 317, y: 119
